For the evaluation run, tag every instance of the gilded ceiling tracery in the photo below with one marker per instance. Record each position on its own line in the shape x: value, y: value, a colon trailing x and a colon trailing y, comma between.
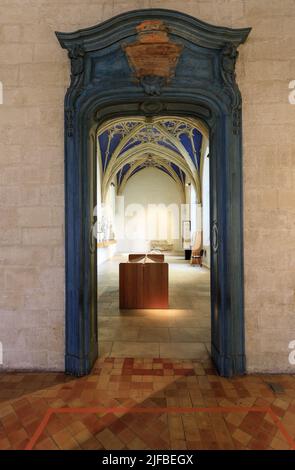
x: 174, y: 145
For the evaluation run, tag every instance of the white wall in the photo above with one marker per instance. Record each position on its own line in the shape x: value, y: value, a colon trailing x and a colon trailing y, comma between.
x: 150, y: 186
x: 206, y: 211
x: 105, y: 253
x: 194, y: 212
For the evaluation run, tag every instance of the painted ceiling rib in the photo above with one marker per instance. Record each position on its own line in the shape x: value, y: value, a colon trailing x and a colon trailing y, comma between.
x: 169, y: 141
x: 136, y: 153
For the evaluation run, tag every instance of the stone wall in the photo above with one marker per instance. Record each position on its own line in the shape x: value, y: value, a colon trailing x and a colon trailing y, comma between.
x: 35, y: 70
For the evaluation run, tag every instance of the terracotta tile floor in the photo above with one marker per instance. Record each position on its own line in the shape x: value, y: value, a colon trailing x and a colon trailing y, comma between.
x: 146, y: 404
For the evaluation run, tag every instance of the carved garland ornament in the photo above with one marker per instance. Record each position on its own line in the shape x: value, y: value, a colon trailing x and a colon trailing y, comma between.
x: 229, y: 55
x: 76, y: 54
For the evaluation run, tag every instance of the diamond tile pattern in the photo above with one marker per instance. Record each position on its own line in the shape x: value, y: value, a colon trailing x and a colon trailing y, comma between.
x: 146, y: 404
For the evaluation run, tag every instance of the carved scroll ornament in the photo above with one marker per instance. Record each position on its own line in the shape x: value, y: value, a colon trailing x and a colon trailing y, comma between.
x: 229, y: 55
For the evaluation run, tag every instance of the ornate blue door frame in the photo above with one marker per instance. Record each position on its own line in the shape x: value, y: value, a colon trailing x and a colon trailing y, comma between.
x: 103, y: 86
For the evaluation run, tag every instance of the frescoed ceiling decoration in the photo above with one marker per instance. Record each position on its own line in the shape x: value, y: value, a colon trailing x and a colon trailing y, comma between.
x: 173, y: 145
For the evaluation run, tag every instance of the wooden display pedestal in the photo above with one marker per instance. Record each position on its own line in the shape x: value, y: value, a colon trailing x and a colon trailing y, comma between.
x: 143, y: 285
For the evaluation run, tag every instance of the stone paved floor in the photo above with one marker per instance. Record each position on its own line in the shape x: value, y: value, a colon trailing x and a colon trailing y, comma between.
x: 181, y: 332
x: 146, y: 404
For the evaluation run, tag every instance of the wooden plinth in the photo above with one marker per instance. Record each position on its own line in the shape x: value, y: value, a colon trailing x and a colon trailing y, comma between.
x: 143, y: 285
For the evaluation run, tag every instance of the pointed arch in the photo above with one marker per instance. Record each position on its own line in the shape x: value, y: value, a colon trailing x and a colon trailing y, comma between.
x: 135, y: 153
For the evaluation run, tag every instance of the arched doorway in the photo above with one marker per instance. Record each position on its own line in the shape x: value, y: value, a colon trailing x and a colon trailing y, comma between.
x: 149, y: 200
x: 152, y: 63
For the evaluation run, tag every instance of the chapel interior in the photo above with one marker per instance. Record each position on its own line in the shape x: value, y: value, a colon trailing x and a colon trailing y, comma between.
x: 147, y: 165
x: 153, y: 216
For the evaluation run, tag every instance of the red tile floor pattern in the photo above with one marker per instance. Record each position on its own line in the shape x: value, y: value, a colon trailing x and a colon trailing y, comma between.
x: 146, y: 404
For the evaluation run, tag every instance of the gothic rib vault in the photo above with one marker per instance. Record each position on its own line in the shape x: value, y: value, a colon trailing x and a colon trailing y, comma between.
x: 176, y: 146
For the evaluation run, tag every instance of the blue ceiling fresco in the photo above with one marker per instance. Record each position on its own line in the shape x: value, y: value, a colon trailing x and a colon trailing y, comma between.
x: 193, y: 144
x: 177, y: 136
x: 107, y: 146
x: 122, y: 173
x: 179, y: 172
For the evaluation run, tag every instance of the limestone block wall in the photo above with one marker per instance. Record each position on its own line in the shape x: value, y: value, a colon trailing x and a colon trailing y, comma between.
x: 34, y: 72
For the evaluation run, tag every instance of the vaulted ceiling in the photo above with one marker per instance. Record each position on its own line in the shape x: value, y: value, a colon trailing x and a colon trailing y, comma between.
x: 174, y: 145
